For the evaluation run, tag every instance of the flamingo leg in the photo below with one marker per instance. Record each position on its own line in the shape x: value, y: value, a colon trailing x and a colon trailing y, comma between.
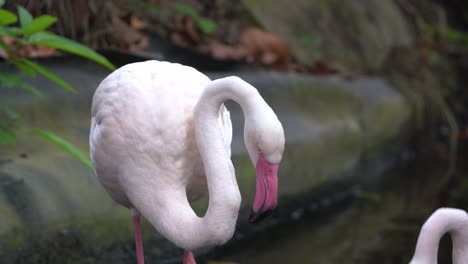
x: 188, y: 258
x: 138, y: 241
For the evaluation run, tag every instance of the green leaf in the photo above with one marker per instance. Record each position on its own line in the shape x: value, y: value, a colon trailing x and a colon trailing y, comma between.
x: 2, y: 2
x: 66, y: 146
x: 206, y: 25
x: 61, y: 43
x: 156, y: 8
x: 9, y: 80
x: 29, y: 88
x: 7, y: 17
x: 24, y: 16
x: 455, y: 35
x: 14, y: 81
x: 25, y: 68
x: 15, y: 31
x: 5, y: 31
x: 7, y: 136
x: 49, y: 75
x: 10, y: 114
x: 186, y: 9
x: 40, y: 24
x: 4, y: 46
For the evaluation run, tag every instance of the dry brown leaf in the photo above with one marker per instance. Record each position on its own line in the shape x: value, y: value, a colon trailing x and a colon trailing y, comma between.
x: 185, y: 32
x: 137, y: 23
x: 222, y: 51
x: 27, y: 51
x: 131, y: 39
x: 264, y: 47
x: 191, y: 29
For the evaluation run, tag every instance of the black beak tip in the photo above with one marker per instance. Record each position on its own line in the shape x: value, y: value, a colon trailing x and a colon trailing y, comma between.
x: 256, y: 217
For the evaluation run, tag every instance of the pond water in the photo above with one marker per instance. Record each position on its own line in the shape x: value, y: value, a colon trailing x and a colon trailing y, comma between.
x: 380, y: 224
x: 374, y: 222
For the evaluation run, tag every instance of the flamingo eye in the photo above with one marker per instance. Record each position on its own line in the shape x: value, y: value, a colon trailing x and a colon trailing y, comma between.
x: 259, y: 150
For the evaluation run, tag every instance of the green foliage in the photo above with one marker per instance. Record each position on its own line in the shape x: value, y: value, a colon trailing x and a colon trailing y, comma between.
x: 39, y: 24
x: 8, y: 113
x: 369, y: 196
x: 51, y: 40
x: 457, y: 38
x: 204, y: 24
x: 25, y: 17
x: 7, y: 18
x: 33, y: 31
x: 35, y: 67
x: 65, y: 145
x: 7, y: 121
x: 312, y: 45
x: 13, y: 81
x: 156, y: 8
x: 7, y: 135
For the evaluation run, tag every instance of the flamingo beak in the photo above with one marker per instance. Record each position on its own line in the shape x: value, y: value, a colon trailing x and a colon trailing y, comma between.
x: 266, y: 190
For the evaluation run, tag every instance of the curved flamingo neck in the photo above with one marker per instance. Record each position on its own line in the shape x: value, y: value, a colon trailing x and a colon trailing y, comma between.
x: 442, y: 221
x: 222, y: 185
x: 170, y: 212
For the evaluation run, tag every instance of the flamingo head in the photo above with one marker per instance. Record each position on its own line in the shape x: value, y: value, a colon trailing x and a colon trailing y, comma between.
x: 265, y: 144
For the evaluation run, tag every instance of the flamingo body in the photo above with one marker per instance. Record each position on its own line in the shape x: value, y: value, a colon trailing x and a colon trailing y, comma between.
x: 160, y: 137
x: 142, y: 119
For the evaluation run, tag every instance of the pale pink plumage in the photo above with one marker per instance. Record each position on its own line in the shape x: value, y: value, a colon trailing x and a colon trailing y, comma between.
x: 443, y: 220
x: 160, y: 135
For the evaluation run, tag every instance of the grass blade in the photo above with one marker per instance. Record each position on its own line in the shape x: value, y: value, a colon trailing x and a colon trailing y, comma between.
x: 186, y: 9
x: 40, y: 24
x: 24, y: 16
x: 13, y: 81
x: 65, y: 145
x: 7, y: 136
x: 61, y: 43
x: 10, y: 114
x: 3, y: 45
x: 7, y: 17
x: 29, y: 88
x: 25, y: 68
x: 49, y: 75
x: 206, y: 25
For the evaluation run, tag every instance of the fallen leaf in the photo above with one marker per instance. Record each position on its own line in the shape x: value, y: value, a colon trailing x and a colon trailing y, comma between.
x: 137, y: 23
x: 264, y: 47
x: 222, y: 51
x: 130, y: 39
x: 27, y: 51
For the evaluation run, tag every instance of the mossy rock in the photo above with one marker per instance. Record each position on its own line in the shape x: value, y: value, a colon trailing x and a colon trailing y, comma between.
x: 357, y: 35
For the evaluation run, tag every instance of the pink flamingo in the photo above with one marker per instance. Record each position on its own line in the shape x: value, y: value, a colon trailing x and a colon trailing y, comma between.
x: 158, y: 128
x: 443, y: 220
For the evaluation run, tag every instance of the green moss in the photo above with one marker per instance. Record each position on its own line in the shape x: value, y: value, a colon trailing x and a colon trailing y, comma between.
x: 324, y: 101
x: 383, y: 122
x: 13, y: 239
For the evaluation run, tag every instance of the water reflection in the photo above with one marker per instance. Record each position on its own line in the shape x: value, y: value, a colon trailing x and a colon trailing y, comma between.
x: 379, y: 224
